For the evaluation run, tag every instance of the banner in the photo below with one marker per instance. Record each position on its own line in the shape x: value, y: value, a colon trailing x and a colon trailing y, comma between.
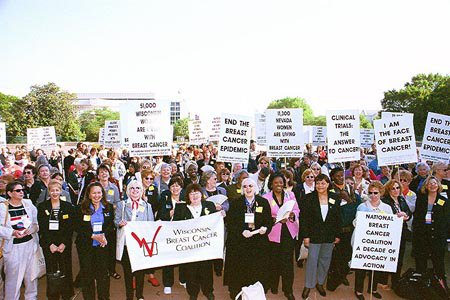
x: 307, y: 134
x: 319, y: 135
x: 284, y: 132
x: 214, y: 133
x: 436, y: 138
x: 148, y: 127
x: 387, y: 114
x: 2, y: 134
x: 42, y: 138
x: 343, y: 135
x: 376, y: 242
x: 164, y: 243
x: 101, y: 136
x: 260, y: 128
x: 112, y: 134
x: 234, y: 140
x: 197, y: 134
x: 395, y: 141
x: 367, y: 137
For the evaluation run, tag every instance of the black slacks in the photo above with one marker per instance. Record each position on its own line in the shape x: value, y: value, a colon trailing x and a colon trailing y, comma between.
x: 94, y: 270
x: 199, y: 275
x: 282, y: 262
x: 61, y: 262
x: 128, y: 277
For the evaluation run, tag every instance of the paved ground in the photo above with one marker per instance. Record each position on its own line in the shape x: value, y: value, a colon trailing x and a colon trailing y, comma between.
x: 221, y: 293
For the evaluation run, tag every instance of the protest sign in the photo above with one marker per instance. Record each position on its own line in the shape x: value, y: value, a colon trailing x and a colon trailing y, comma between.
x: 42, y: 138
x: 197, y: 134
x: 2, y: 134
x: 436, y: 138
x: 387, y: 114
x: 163, y: 243
x: 395, y: 141
x: 376, y: 242
x: 260, y: 128
x: 101, y: 136
x: 112, y: 134
x: 319, y: 135
x: 367, y: 137
x: 149, y: 130
x: 214, y: 133
x: 284, y: 132
x: 343, y: 135
x: 234, y: 140
x: 307, y: 134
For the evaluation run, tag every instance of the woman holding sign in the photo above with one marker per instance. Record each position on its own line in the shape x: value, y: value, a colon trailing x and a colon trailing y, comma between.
x: 283, y: 234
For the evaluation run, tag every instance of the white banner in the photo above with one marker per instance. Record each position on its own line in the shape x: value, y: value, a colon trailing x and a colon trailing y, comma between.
x: 319, y: 135
x: 343, y: 135
x: 234, y: 140
x: 163, y: 243
x: 2, y: 134
x: 367, y: 137
x: 307, y: 134
x: 436, y: 138
x: 214, y: 133
x: 387, y: 114
x: 260, y: 129
x: 376, y: 241
x: 101, y: 136
x: 284, y: 132
x: 42, y: 138
x: 197, y: 134
x: 112, y: 134
x: 395, y: 141
x: 149, y: 130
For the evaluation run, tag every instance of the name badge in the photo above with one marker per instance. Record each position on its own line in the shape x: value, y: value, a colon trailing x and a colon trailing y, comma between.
x: 141, y: 209
x: 259, y: 209
x: 441, y: 202
x: 47, y: 212
x: 331, y: 201
x: 97, y: 227
x: 65, y: 217
x: 87, y: 218
x: 151, y: 188
x: 249, y: 218
x: 63, y: 198
x: 111, y: 192
x: 53, y: 225
x: 444, y: 187
x: 238, y: 191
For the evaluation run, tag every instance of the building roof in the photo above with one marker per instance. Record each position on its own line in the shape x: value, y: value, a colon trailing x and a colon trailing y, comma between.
x: 114, y: 96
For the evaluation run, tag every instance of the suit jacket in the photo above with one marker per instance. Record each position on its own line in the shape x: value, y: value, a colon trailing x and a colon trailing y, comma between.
x: 84, y: 229
x: 293, y: 226
x: 317, y: 230
x: 440, y: 218
x: 182, y: 212
x: 166, y: 205
x: 124, y: 211
x: 220, y: 191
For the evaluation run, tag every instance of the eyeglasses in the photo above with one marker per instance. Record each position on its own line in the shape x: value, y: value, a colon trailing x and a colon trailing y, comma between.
x: 149, y: 178
x: 145, y: 167
x: 196, y: 193
x: 315, y: 169
x: 27, y: 172
x: 18, y: 190
x: 135, y: 188
x: 373, y: 193
x: 403, y: 180
x: 395, y: 188
x: 309, y: 176
x: 248, y: 186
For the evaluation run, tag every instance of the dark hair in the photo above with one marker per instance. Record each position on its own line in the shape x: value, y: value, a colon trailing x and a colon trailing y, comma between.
x: 86, y: 203
x: 104, y: 167
x: 30, y: 167
x: 265, y: 171
x: 273, y: 176
x: 88, y: 163
x: 56, y: 175
x: 176, y: 179
x: 335, y: 170
x: 10, y: 187
x: 134, y: 165
x: 193, y: 187
x: 321, y: 177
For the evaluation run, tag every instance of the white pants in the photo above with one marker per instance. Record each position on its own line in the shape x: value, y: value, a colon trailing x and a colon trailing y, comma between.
x: 17, y: 269
x: 2, y: 284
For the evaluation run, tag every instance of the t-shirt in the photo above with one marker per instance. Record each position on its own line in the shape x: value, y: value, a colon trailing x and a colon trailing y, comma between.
x: 19, y: 221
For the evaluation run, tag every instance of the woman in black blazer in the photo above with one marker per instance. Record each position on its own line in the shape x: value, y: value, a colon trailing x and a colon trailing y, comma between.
x: 55, y: 218
x: 94, y: 225
x: 199, y: 275
x: 321, y: 230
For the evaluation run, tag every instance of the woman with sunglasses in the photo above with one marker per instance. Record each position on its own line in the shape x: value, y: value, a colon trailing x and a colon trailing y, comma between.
x: 315, y: 167
x: 410, y: 196
x: 133, y: 209
x: 394, y: 198
x: 249, y: 221
x: 224, y: 178
x: 150, y: 189
x: 19, y: 234
x: 374, y: 204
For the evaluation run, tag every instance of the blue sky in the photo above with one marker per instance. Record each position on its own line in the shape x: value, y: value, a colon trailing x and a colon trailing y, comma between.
x: 225, y: 56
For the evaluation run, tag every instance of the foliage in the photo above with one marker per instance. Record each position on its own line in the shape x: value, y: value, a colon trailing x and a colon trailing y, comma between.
x: 425, y: 93
x: 92, y: 120
x: 364, y: 123
x: 180, y: 128
x: 7, y: 105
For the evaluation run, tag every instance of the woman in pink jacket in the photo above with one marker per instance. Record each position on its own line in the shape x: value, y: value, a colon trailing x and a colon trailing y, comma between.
x: 282, y: 236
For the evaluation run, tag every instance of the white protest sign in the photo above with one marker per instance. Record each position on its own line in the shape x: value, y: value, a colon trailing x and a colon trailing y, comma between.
x: 307, y: 134
x: 197, y: 134
x: 163, y: 243
x: 234, y: 140
x: 436, y: 138
x: 112, y: 134
x: 387, y: 114
x: 42, y: 138
x: 2, y: 134
x: 101, y: 136
x: 376, y: 241
x: 284, y: 132
x: 260, y: 129
x: 367, y: 137
x: 395, y: 141
x: 214, y: 133
x: 319, y: 135
x: 149, y: 131
x: 343, y: 135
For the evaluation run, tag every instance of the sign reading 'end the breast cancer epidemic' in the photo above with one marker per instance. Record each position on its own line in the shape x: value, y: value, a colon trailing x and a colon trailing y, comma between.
x: 436, y: 138
x: 284, y: 132
x: 234, y: 142
x: 376, y: 242
x: 343, y: 135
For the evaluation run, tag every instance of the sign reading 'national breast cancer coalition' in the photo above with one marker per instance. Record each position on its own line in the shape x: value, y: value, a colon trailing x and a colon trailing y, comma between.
x: 234, y: 142
x: 395, y: 141
x: 148, y: 127
x: 284, y: 132
x: 163, y: 243
x: 42, y: 138
x: 376, y: 241
x: 343, y: 135
x: 436, y: 138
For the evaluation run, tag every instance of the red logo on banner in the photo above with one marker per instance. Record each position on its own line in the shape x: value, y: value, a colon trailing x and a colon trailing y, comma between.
x: 143, y: 243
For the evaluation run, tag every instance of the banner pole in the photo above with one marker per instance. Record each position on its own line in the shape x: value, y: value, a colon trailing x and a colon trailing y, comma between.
x: 371, y: 285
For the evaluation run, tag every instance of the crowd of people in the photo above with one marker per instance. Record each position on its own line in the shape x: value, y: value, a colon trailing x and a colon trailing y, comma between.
x: 91, y: 193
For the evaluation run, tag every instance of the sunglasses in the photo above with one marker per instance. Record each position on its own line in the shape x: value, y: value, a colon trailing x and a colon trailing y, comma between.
x: 373, y: 193
x: 309, y: 176
x: 27, y: 172
x: 149, y: 178
x: 395, y: 188
x: 315, y: 169
x: 403, y: 180
x: 18, y: 190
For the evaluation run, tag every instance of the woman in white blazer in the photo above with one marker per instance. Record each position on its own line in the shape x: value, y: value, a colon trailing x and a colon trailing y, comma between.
x: 18, y: 229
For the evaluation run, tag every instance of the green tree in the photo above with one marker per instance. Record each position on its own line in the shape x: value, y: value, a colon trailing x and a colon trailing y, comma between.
x: 7, y: 105
x: 92, y: 120
x: 180, y: 128
x: 308, y: 114
x: 364, y: 123
x: 425, y: 93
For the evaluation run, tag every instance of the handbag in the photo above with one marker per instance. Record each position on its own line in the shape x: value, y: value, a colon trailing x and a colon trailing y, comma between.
x: 37, y: 264
x: 120, y: 241
x: 303, y: 253
x: 252, y: 292
x: 56, y: 281
x: 4, y: 224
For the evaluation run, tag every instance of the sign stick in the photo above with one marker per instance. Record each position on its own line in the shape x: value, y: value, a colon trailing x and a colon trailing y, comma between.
x: 371, y: 285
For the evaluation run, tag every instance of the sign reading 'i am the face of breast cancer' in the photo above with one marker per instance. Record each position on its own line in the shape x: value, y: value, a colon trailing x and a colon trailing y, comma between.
x: 234, y: 142
x: 284, y: 132
x: 436, y: 138
x: 149, y: 131
x: 343, y: 135
x: 395, y: 141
